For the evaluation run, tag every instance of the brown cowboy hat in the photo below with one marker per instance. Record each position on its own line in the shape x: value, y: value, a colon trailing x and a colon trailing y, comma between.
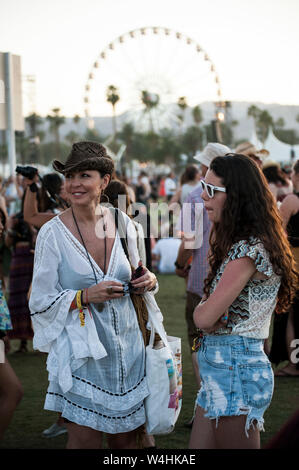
x: 86, y: 156
x: 248, y: 149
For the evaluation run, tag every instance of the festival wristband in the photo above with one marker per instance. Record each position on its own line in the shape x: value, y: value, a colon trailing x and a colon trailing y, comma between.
x: 79, y: 305
x: 86, y: 295
x: 78, y: 299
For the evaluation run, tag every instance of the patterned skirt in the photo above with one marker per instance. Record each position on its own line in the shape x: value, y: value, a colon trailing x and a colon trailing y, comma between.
x: 20, y: 277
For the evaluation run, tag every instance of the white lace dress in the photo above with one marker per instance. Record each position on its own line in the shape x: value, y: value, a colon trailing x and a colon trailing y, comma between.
x: 96, y: 371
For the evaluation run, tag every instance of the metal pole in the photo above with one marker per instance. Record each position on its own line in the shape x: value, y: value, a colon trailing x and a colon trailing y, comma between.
x: 218, y: 131
x: 10, y: 131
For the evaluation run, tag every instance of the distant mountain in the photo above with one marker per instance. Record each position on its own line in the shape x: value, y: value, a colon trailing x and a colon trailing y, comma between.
x: 237, y: 112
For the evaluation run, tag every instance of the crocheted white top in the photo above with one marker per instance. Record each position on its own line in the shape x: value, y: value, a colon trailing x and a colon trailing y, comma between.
x: 250, y: 314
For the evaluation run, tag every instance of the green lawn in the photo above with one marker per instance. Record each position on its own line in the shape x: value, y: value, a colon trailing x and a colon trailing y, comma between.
x: 30, y: 419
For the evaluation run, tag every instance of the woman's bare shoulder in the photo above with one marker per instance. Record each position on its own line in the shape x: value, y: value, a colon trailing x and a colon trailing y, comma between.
x: 65, y: 216
x: 290, y: 201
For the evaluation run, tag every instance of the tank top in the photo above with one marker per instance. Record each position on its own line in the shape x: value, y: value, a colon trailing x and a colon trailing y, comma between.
x: 187, y: 189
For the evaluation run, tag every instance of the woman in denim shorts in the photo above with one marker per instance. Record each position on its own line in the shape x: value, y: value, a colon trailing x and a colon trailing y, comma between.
x: 251, y: 273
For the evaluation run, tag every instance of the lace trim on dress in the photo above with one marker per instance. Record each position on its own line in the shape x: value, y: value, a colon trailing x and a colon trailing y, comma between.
x: 77, y: 246
x: 51, y: 305
x: 106, y: 391
x: 112, y: 401
x: 93, y: 411
x: 80, y: 249
x: 95, y: 419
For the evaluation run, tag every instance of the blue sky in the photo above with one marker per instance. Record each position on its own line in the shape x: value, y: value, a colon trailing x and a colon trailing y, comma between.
x: 253, y: 43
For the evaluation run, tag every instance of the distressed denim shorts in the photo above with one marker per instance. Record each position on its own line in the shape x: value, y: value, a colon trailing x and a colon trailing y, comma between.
x: 237, y: 378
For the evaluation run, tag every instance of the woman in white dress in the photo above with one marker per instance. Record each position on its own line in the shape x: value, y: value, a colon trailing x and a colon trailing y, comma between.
x: 96, y: 353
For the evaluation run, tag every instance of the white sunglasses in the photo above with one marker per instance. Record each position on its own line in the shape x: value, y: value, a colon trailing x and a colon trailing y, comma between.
x: 210, y: 188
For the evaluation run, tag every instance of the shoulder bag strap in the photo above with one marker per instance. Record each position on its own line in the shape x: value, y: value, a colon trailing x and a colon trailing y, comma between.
x: 122, y: 231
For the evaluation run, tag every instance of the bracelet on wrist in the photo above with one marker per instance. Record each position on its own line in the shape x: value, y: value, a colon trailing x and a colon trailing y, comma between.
x: 155, y: 285
x: 86, y: 297
x: 79, y: 305
x: 178, y: 266
x: 33, y: 187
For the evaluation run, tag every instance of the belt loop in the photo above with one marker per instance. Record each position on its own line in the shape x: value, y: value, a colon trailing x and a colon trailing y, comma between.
x: 246, y: 343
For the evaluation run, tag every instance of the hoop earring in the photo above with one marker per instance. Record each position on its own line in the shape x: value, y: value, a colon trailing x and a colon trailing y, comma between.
x: 106, y: 196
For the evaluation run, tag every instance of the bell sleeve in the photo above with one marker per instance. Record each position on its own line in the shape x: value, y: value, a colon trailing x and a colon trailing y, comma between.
x: 49, y: 304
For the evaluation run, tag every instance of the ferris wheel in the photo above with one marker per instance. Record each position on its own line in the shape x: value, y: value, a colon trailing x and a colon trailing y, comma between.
x: 151, y: 70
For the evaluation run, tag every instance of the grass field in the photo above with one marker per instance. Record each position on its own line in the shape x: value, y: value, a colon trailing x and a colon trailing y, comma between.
x: 30, y: 419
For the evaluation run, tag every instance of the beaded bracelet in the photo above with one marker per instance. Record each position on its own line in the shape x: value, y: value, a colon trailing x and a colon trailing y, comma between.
x: 79, y: 305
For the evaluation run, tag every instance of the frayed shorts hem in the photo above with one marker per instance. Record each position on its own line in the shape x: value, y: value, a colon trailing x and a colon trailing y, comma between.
x: 237, y: 379
x: 251, y: 421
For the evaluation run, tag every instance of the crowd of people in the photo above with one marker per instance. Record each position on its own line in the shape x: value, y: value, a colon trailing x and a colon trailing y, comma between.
x: 231, y: 232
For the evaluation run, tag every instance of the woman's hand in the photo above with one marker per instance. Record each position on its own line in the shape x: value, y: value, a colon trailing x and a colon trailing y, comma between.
x: 10, y: 222
x: 28, y: 182
x: 221, y: 323
x: 106, y: 290
x: 145, y: 282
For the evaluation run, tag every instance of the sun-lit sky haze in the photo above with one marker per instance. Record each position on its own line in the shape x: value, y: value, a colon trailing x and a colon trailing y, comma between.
x: 253, y: 43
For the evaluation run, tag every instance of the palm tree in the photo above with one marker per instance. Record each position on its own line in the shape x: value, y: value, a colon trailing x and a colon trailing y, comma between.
x: 22, y: 147
x: 3, y: 156
x: 126, y: 135
x: 262, y: 120
x: 151, y: 101
x: 182, y: 104
x: 113, y: 97
x: 72, y: 137
x: 254, y: 112
x: 192, y: 140
x: 93, y: 135
x: 55, y: 121
x: 197, y: 115
x: 265, y: 121
x: 279, y: 123
x: 40, y: 137
x: 34, y: 121
x: 76, y: 120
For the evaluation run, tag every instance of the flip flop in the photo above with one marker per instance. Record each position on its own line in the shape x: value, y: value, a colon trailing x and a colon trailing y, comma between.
x: 283, y: 373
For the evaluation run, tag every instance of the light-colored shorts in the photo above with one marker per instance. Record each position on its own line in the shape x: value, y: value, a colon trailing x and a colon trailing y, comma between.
x: 237, y: 378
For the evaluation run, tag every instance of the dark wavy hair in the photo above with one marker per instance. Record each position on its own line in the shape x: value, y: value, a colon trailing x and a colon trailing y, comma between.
x: 114, y: 189
x: 274, y: 174
x: 2, y: 217
x: 250, y: 211
x: 189, y: 174
x: 52, y: 184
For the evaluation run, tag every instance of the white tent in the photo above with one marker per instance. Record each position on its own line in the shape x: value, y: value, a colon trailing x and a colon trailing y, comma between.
x: 279, y: 151
x: 255, y: 141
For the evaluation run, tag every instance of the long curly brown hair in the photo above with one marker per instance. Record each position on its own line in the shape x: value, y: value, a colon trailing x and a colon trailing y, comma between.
x: 250, y: 211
